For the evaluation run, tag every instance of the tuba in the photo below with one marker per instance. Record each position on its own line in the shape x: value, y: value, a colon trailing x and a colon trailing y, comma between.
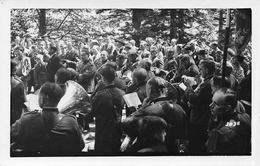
x: 75, y: 99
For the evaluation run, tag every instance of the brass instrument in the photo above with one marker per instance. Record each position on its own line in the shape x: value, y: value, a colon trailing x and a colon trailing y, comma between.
x: 75, y: 99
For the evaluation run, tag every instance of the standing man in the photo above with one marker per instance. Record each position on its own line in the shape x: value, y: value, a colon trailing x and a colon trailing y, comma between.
x: 23, y: 66
x: 107, y: 108
x: 54, y: 64
x: 199, y: 100
x: 86, y: 71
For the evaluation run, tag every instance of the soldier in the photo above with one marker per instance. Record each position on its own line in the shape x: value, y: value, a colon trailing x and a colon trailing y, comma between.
x: 233, y: 134
x: 47, y: 132
x: 157, y: 104
x: 107, y: 108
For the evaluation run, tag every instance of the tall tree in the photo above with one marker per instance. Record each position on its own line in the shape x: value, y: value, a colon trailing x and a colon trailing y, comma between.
x: 42, y: 21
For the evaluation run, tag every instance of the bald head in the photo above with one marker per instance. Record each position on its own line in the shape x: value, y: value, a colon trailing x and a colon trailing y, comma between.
x: 139, y: 74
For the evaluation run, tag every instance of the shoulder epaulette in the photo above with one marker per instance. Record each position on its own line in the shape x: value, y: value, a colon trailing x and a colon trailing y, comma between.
x: 31, y: 112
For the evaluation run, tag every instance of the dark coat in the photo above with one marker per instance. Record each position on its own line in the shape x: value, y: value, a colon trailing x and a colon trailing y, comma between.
x: 29, y: 133
x: 232, y: 136
x: 147, y: 146
x: 107, y: 108
x: 18, y: 98
x: 200, y: 100
x: 87, y: 71
x: 191, y: 71
x: 53, y: 66
x: 173, y: 114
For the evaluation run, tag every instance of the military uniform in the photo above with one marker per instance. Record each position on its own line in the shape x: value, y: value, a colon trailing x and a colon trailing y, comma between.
x: 18, y: 98
x: 173, y: 114
x: 232, y: 136
x: 107, y: 108
x: 87, y: 72
x: 29, y: 133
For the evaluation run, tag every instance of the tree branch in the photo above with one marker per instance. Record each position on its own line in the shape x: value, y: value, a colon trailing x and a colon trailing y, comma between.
x: 61, y: 22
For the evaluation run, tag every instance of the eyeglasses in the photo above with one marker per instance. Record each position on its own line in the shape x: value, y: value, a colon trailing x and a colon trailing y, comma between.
x: 213, y: 104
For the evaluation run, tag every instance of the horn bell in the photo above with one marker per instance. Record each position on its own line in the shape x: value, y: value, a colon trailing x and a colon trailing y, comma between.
x: 75, y: 99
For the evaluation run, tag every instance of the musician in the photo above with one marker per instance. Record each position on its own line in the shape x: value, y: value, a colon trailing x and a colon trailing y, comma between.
x: 233, y: 134
x: 23, y: 66
x: 199, y: 100
x: 131, y: 62
x: 187, y: 68
x: 47, y: 132
x: 146, y: 63
x: 107, y: 108
x: 156, y: 104
x: 138, y: 85
x: 119, y: 83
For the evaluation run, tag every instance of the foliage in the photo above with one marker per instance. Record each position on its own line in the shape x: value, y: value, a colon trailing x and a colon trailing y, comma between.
x: 203, y: 25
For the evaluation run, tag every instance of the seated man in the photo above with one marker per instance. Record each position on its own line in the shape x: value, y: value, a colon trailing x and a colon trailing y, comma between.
x: 138, y: 85
x: 47, y: 132
x: 233, y: 134
x: 157, y: 104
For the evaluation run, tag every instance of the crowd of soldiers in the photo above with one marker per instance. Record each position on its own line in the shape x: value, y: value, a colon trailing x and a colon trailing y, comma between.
x: 183, y: 99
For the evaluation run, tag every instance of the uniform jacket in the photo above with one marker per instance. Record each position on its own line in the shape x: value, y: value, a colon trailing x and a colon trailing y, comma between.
x: 200, y: 100
x: 29, y: 133
x: 105, y: 106
x: 71, y: 55
x: 87, y: 71
x: 232, y: 136
x: 173, y: 114
x: 18, y: 98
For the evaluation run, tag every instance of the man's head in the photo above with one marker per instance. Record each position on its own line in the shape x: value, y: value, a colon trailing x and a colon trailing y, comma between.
x: 104, y: 55
x: 202, y: 54
x: 84, y: 56
x: 224, y: 101
x: 216, y: 83
x: 155, y: 87
x: 218, y: 56
x: 152, y: 128
x: 18, y: 51
x: 146, y: 63
x: 39, y: 58
x: 108, y: 74
x: 50, y: 95
x: 185, y: 61
x: 173, y: 42
x: 120, y: 59
x: 213, y: 46
x: 52, y: 50
x: 63, y: 75
x: 207, y: 68
x: 139, y: 75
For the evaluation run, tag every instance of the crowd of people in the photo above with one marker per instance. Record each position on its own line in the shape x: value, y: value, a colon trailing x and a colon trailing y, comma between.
x: 207, y: 115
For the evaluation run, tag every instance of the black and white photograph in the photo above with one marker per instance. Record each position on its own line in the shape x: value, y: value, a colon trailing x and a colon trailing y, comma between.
x: 103, y: 83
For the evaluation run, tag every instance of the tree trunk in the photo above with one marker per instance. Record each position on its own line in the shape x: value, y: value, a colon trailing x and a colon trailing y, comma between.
x: 136, y: 19
x: 220, y: 30
x: 173, y: 30
x: 42, y: 21
x: 180, y: 26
